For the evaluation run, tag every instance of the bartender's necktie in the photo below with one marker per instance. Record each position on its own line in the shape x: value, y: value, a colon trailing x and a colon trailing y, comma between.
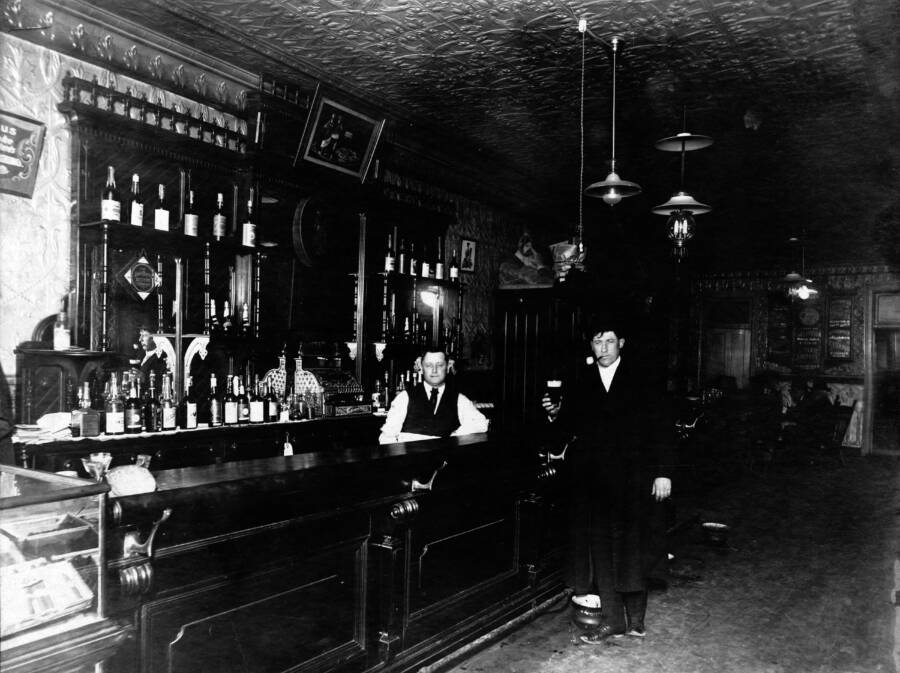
x: 433, y: 400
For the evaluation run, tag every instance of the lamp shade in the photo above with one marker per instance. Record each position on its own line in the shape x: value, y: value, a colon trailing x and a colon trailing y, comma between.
x: 684, y: 141
x: 681, y: 201
x: 613, y: 189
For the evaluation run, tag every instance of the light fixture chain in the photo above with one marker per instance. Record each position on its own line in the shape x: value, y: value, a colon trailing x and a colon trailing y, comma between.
x: 581, y: 143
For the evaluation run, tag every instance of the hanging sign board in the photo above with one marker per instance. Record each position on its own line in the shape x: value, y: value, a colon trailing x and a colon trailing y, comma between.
x: 21, y: 141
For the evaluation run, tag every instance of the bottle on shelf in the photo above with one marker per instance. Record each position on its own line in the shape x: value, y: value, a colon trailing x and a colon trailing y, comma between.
x: 245, y: 320
x: 188, y: 407
x: 390, y: 260
x: 227, y: 325
x: 134, y: 421
x: 248, y: 226
x: 231, y: 403
x: 214, y: 326
x: 413, y: 263
x: 110, y: 200
x: 168, y: 409
x: 243, y: 402
x: 273, y: 408
x: 215, y: 404
x: 257, y: 404
x: 191, y: 219
x: 220, y: 221
x: 136, y: 203
x: 454, y: 268
x: 425, y: 266
x: 161, y: 214
x: 114, y: 409
x: 152, y: 421
x: 439, y: 262
x: 62, y: 337
x: 401, y: 257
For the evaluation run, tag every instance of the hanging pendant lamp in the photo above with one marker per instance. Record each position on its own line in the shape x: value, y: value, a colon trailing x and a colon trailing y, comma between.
x: 613, y: 189
x: 799, y: 286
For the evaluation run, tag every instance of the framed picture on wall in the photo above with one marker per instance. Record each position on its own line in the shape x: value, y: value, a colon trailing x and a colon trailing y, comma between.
x: 340, y: 138
x: 467, y: 248
x: 21, y: 141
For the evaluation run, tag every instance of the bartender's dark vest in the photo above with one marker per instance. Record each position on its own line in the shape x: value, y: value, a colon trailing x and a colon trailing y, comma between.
x: 419, y: 418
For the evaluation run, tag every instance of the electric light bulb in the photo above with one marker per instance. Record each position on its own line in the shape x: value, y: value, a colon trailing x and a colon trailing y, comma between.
x: 612, y: 196
x: 803, y: 292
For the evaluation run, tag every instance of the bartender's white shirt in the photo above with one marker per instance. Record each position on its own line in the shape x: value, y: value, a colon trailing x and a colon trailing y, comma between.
x: 607, y: 373
x: 470, y: 419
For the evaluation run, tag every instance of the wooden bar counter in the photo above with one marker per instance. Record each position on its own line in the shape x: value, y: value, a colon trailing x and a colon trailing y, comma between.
x: 351, y: 558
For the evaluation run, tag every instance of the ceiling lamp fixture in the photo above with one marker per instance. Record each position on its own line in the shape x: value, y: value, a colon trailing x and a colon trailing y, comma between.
x: 799, y: 286
x: 613, y: 189
x: 682, y: 207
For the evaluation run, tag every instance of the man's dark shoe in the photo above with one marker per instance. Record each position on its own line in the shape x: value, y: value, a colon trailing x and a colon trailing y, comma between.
x: 636, y: 630
x: 597, y: 636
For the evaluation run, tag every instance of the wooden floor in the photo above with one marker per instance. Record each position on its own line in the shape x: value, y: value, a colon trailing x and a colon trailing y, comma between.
x: 805, y: 583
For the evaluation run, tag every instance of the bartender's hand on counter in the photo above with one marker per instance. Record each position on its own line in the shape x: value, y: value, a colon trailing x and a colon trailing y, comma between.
x: 551, y: 409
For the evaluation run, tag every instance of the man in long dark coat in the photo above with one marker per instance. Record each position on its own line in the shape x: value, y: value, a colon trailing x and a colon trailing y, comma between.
x: 619, y: 465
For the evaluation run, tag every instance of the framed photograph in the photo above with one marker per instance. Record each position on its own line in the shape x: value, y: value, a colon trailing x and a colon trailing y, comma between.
x: 467, y: 248
x: 340, y: 138
x: 21, y: 141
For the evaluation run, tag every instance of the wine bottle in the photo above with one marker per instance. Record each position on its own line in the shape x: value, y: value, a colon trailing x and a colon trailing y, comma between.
x: 136, y: 203
x: 214, y: 326
x: 168, y: 409
x: 220, y: 221
x: 191, y: 219
x: 215, y: 403
x: 273, y: 410
x: 189, y: 407
x: 257, y: 404
x: 114, y: 409
x: 389, y: 259
x: 231, y: 403
x: 133, y: 408
x: 439, y: 263
x: 227, y: 325
x: 151, y: 407
x: 413, y: 264
x: 454, y: 268
x: 243, y: 402
x: 425, y: 266
x: 161, y: 214
x: 248, y: 227
x: 110, y: 201
x: 401, y: 259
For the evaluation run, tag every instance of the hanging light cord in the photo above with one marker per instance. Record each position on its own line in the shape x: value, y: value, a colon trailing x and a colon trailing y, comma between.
x: 581, y: 141
x: 615, y: 48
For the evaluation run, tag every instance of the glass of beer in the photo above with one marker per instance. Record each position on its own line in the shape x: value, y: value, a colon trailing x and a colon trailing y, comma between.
x: 554, y: 390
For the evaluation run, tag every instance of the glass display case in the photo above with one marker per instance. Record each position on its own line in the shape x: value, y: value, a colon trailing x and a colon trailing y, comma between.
x: 51, y: 556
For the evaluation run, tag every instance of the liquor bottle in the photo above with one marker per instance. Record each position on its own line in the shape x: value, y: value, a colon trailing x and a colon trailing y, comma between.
x: 214, y: 326
x: 151, y: 407
x: 227, y: 325
x: 62, y: 337
x: 161, y: 214
x: 413, y: 264
x: 191, y: 219
x: 389, y: 259
x: 136, y: 203
x: 257, y: 404
x: 248, y: 227
x: 376, y: 396
x: 231, y: 403
x: 188, y: 407
x: 220, y: 221
x: 243, y: 402
x: 114, y: 409
x: 133, y: 417
x: 215, y: 403
x: 169, y: 410
x: 401, y: 259
x: 110, y: 201
x: 245, y: 319
x: 425, y: 266
x: 454, y: 268
x: 273, y: 411
x: 439, y: 263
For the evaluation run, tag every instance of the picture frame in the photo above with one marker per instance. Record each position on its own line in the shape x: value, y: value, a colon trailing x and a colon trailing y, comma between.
x: 340, y: 138
x: 467, y: 254
x: 21, y: 143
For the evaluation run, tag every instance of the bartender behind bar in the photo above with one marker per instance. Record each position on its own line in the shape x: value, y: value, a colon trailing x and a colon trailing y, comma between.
x: 433, y: 408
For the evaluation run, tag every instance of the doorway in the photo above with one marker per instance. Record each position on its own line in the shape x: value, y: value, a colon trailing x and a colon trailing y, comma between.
x: 885, y: 370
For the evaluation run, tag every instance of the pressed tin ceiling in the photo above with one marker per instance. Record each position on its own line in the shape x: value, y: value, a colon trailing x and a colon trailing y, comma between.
x: 801, y: 96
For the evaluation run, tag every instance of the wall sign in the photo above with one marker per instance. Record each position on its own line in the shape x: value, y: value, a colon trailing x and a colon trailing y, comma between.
x: 21, y: 141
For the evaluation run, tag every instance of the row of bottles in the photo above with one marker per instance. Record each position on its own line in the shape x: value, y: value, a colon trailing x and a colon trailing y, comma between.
x: 225, y: 324
x: 430, y: 265
x: 130, y: 210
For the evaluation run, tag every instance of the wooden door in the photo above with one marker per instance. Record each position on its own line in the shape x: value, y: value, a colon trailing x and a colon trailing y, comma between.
x: 726, y: 353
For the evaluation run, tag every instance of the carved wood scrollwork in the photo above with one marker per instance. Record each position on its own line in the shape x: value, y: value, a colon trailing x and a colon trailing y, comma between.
x: 404, y: 511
